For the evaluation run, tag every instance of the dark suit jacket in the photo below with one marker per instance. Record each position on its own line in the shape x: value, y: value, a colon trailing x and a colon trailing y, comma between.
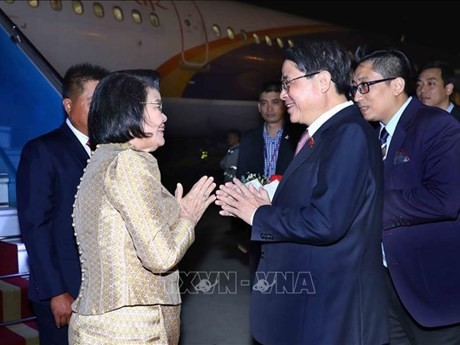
x: 421, y: 213
x: 320, y: 275
x: 48, y: 174
x: 455, y: 112
x: 251, y: 154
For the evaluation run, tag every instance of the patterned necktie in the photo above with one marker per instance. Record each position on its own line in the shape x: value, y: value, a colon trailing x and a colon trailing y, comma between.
x: 383, y: 141
x: 303, y: 139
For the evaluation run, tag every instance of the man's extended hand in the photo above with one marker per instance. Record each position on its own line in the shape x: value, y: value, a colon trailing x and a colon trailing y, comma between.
x: 236, y: 199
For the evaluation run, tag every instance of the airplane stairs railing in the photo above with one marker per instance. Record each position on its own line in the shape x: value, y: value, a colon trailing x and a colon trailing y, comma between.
x: 18, y: 325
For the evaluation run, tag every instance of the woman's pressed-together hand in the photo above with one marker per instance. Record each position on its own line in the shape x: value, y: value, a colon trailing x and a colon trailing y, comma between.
x: 197, y: 200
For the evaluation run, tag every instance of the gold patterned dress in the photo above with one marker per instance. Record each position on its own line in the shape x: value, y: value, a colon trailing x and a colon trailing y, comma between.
x: 130, y: 239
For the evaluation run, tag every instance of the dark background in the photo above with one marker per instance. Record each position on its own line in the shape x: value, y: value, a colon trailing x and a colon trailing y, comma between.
x: 434, y: 24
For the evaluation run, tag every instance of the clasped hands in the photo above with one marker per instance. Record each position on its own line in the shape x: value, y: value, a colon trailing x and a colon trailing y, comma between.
x: 238, y: 200
x: 197, y: 200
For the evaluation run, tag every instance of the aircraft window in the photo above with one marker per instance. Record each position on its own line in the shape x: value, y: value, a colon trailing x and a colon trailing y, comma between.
x: 9, y: 1
x: 230, y: 33
x: 33, y: 3
x: 216, y: 30
x: 77, y: 7
x: 256, y: 38
x: 118, y: 13
x: 244, y: 35
x: 280, y: 42
x: 154, y: 20
x: 291, y: 44
x: 137, y: 17
x: 98, y: 10
x: 56, y: 5
x: 268, y: 40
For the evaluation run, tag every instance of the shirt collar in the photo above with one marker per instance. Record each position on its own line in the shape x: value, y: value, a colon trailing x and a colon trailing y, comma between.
x: 391, y: 125
x: 326, y: 116
x: 82, y: 138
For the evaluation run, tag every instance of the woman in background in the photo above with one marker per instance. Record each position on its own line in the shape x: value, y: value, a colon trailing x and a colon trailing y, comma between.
x: 131, y: 231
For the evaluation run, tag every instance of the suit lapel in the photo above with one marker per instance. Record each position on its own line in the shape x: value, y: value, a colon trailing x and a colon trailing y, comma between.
x: 74, y: 144
x: 407, y: 119
x: 313, y: 144
x: 260, y: 148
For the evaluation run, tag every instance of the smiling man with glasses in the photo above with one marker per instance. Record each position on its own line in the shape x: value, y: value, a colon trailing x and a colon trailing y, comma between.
x: 319, y: 279
x: 421, y: 206
x: 286, y: 82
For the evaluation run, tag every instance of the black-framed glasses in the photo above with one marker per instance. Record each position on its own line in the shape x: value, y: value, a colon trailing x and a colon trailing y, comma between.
x: 158, y: 103
x: 365, y: 86
x: 285, y: 82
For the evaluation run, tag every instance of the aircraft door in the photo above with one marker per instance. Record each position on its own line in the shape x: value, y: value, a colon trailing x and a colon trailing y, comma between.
x: 194, y: 37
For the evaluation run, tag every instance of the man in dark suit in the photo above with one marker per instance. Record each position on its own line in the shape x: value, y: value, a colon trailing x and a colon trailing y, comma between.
x: 48, y: 174
x: 421, y: 224
x: 319, y: 278
x: 435, y: 85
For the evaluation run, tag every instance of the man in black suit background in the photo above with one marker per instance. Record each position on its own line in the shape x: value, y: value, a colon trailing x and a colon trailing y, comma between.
x: 48, y: 174
x: 268, y: 149
x: 435, y: 86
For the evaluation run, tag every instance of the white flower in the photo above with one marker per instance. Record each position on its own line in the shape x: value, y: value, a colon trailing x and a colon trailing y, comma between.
x: 248, y: 177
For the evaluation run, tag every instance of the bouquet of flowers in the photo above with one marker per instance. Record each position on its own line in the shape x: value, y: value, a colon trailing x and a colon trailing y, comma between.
x: 248, y: 177
x: 258, y: 181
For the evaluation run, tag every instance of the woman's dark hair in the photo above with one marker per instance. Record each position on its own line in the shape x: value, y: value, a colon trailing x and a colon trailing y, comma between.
x: 116, y: 114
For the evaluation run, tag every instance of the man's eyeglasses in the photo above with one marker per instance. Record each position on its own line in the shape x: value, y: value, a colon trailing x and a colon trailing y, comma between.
x: 285, y: 82
x: 159, y: 104
x: 365, y: 86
